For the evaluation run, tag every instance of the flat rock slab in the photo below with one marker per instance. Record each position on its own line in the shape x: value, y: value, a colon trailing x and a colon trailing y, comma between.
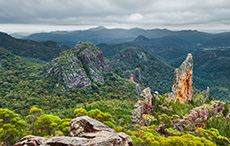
x: 84, y: 131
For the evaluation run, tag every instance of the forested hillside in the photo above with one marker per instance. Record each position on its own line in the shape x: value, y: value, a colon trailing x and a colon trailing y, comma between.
x: 34, y: 51
x: 41, y: 99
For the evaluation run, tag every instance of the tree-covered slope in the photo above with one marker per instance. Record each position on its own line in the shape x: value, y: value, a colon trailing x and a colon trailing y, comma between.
x: 34, y: 51
x: 213, y: 67
x: 155, y: 73
x: 24, y: 84
x: 32, y: 103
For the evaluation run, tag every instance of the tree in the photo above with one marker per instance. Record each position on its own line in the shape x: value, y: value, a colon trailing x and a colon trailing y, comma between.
x: 11, y: 126
x: 148, y: 119
x: 80, y: 112
x: 32, y: 118
x: 46, y: 125
x: 64, y: 126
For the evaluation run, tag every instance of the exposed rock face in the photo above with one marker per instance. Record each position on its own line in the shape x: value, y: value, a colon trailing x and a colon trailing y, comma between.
x: 138, y: 88
x: 182, y: 81
x: 134, y: 75
x: 143, y: 106
x: 78, y: 67
x: 207, y: 94
x: 31, y: 140
x: 94, y: 133
x: 87, y: 124
x: 228, y: 118
x: 198, y: 116
x: 156, y: 94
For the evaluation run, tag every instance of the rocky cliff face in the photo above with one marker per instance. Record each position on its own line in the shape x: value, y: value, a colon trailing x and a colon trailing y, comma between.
x: 134, y: 75
x: 197, y: 117
x: 182, y: 81
x: 78, y: 67
x: 143, y: 106
x: 84, y: 131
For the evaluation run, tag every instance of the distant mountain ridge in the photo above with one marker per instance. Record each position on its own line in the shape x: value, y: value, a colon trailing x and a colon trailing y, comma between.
x: 99, y: 35
x: 102, y: 34
x: 44, y: 51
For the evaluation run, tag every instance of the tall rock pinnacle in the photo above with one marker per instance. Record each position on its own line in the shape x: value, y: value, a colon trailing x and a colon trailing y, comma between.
x: 142, y: 107
x: 182, y: 80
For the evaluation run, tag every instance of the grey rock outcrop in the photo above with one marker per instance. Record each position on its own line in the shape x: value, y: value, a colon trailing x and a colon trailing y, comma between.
x: 93, y: 133
x: 228, y: 118
x: 138, y: 88
x: 156, y: 94
x: 182, y: 81
x: 197, y: 117
x: 143, y: 106
x: 207, y: 94
x: 134, y: 75
x: 78, y: 67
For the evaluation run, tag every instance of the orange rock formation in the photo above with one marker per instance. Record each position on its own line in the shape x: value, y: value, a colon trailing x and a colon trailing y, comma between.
x: 132, y: 78
x: 182, y: 81
x: 185, y: 92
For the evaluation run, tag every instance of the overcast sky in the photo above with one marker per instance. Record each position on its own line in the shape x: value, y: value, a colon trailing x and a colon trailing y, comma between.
x: 49, y: 15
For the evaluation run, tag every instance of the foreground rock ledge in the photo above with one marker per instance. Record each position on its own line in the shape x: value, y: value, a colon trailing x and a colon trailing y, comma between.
x: 88, y: 131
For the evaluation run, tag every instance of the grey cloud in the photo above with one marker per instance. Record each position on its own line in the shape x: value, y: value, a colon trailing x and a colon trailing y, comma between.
x: 143, y: 13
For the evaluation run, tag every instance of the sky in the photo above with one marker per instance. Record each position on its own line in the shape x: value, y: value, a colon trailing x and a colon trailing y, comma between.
x: 49, y: 15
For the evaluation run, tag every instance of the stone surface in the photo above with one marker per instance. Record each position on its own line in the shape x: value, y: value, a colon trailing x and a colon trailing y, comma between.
x: 156, y: 94
x: 134, y: 75
x: 138, y: 88
x: 207, y: 94
x: 31, y: 140
x: 197, y: 117
x: 78, y: 67
x: 93, y: 133
x: 143, y: 106
x: 182, y: 81
x: 228, y: 118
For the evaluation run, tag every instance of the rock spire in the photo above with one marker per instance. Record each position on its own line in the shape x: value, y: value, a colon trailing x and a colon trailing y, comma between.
x: 182, y: 81
x: 143, y: 106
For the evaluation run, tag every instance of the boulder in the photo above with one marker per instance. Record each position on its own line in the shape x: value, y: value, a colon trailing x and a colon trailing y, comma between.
x: 197, y: 117
x: 84, y: 131
x: 143, y: 106
x: 182, y: 81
